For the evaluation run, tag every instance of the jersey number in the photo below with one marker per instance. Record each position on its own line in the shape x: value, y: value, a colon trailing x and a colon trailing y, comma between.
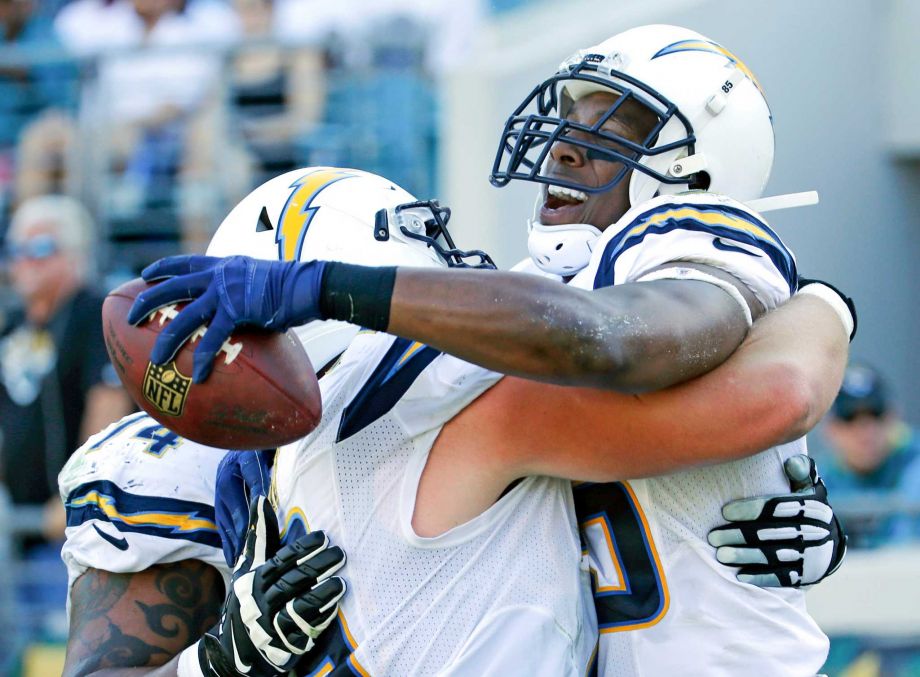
x: 161, y: 439
x: 629, y: 587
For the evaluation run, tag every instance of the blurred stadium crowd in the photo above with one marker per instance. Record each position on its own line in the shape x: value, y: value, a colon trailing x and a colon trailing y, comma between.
x: 129, y: 127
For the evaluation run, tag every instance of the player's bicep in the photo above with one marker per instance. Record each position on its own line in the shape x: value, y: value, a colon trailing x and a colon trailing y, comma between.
x: 738, y: 290
x: 672, y: 330
x: 139, y: 619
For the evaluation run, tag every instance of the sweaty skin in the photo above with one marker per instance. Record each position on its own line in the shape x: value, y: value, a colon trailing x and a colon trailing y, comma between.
x: 630, y: 338
x: 773, y: 389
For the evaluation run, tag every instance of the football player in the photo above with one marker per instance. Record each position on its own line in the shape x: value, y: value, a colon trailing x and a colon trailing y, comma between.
x: 144, y: 553
x: 648, y: 146
x: 398, y: 394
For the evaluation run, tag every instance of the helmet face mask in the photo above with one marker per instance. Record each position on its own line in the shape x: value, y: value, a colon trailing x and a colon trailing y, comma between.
x: 680, y: 113
x: 541, y: 121
x: 712, y: 127
x: 426, y: 221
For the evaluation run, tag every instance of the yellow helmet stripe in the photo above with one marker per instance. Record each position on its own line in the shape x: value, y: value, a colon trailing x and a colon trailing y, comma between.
x: 297, y: 213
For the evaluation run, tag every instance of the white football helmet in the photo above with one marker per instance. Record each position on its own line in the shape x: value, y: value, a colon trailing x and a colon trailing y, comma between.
x: 714, y: 128
x: 336, y: 215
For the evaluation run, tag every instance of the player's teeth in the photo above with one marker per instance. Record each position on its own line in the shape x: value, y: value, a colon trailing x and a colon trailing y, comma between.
x: 567, y: 194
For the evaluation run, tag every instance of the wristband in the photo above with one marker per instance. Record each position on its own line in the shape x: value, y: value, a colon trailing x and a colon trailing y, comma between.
x: 189, y: 662
x: 360, y: 295
x: 835, y: 300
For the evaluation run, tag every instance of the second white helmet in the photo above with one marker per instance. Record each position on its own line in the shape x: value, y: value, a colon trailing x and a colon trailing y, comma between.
x: 335, y: 214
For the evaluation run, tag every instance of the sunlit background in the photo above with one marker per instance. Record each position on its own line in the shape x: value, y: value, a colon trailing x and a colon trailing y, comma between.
x: 159, y: 115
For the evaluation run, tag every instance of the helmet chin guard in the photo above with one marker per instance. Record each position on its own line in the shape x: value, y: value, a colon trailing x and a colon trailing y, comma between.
x: 561, y: 250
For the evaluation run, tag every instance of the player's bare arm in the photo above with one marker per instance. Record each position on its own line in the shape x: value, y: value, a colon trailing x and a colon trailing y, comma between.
x: 629, y: 338
x: 121, y: 621
x: 774, y: 388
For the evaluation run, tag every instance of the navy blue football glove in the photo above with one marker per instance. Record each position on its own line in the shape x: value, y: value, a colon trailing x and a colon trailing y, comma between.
x: 241, y: 477
x: 786, y: 541
x: 226, y: 293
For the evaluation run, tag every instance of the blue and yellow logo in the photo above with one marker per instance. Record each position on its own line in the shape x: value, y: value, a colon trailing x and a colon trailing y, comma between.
x: 298, y: 211
x: 712, y: 48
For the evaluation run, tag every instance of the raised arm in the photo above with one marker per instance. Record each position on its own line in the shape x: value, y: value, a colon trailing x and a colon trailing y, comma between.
x: 630, y: 337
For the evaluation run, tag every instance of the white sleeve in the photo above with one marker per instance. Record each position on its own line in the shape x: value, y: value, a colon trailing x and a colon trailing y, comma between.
x: 699, y: 228
x: 136, y: 494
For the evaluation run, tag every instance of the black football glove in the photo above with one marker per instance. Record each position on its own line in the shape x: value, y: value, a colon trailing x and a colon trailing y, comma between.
x: 280, y: 600
x: 786, y: 541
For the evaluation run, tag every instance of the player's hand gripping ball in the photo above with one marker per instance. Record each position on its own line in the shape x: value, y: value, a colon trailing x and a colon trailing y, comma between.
x: 261, y: 394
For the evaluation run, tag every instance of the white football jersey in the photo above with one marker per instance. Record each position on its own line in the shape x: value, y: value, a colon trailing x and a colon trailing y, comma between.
x: 501, y: 594
x: 137, y: 495
x: 664, y: 605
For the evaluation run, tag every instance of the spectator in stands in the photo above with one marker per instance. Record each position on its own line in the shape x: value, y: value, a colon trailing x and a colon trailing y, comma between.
x: 875, y: 459
x: 159, y: 65
x: 35, y: 84
x: 274, y: 94
x: 56, y: 383
x: 383, y: 57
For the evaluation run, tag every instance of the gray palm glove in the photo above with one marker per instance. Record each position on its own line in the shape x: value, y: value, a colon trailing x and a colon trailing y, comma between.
x: 789, y: 540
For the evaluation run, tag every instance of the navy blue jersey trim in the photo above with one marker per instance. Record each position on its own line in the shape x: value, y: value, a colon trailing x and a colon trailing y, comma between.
x: 392, y: 377
x: 154, y: 515
x: 623, y: 241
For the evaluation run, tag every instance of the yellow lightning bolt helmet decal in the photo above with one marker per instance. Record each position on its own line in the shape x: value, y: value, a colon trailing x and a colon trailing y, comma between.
x: 298, y: 213
x: 712, y: 47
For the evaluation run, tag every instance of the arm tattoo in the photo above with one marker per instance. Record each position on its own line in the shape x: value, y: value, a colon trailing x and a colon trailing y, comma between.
x: 140, y: 619
x: 186, y: 608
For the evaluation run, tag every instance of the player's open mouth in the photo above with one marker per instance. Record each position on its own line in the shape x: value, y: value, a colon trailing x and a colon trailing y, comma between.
x: 561, y: 205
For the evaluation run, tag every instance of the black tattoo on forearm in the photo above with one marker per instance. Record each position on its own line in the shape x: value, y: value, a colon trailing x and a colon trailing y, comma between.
x: 185, y: 609
x: 142, y: 619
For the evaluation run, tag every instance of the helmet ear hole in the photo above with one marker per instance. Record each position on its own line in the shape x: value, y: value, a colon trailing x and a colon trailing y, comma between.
x: 700, y: 181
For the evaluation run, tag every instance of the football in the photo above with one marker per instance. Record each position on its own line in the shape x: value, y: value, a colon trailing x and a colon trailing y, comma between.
x: 261, y: 394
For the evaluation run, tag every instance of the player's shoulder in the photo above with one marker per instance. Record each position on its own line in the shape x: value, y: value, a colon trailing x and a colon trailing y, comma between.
x: 142, y: 455
x: 702, y: 200
x: 136, y: 494
x: 686, y: 213
x: 379, y: 374
x: 697, y: 226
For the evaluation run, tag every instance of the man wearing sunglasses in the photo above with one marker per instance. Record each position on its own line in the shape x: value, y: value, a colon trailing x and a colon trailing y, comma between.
x: 55, y: 386
x: 875, y: 456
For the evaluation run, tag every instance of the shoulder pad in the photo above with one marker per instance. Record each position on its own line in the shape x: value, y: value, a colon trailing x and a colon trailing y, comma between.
x: 136, y: 494
x: 695, y: 226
